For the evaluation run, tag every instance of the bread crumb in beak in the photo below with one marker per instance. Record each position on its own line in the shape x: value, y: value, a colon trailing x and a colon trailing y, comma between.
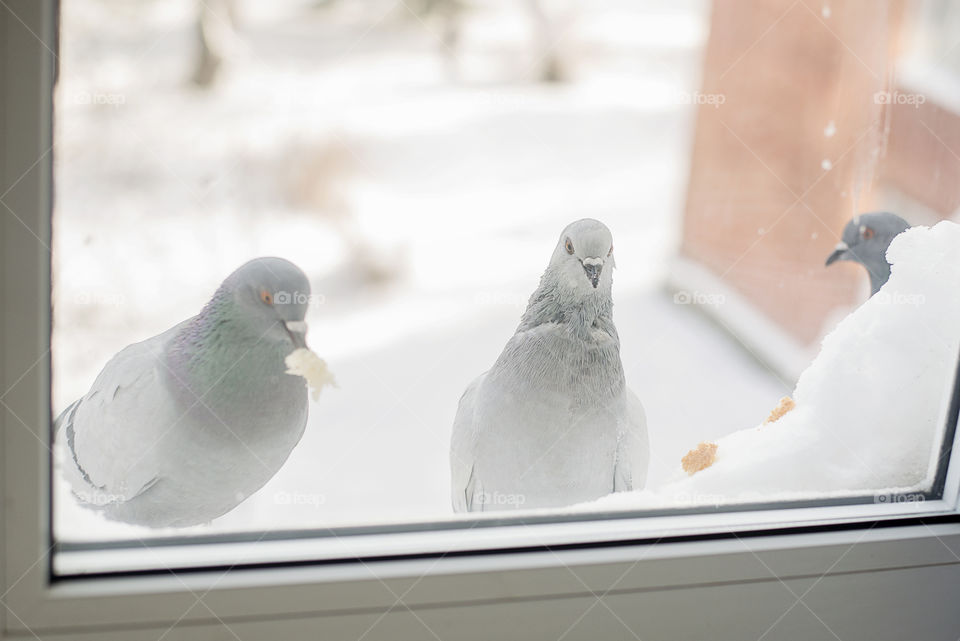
x: 304, y: 362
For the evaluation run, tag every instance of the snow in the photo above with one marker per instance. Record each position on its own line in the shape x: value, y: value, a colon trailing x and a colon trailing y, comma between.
x: 868, y: 408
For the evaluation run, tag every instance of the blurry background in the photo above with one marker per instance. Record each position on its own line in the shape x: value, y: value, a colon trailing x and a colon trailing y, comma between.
x: 419, y: 158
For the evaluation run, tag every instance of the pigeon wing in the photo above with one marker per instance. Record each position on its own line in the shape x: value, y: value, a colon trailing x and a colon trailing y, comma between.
x: 112, y: 432
x: 463, y: 450
x: 633, y: 448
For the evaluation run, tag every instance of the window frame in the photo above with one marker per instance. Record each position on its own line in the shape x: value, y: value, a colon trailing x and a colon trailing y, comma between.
x: 349, y: 595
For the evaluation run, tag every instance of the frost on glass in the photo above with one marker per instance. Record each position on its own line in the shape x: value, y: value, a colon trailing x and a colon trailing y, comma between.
x: 746, y: 337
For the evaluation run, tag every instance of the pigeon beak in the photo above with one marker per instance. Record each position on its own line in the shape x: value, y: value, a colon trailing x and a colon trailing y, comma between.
x: 592, y: 267
x: 839, y: 253
x: 297, y: 330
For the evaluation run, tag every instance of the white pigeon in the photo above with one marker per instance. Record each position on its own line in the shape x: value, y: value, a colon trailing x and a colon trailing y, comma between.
x: 180, y: 428
x: 552, y: 423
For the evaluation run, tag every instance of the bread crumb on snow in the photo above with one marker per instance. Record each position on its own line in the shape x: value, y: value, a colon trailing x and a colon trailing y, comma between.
x: 786, y: 404
x: 700, y: 458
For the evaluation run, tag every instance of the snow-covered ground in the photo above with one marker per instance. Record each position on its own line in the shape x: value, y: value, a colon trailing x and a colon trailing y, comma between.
x: 422, y: 202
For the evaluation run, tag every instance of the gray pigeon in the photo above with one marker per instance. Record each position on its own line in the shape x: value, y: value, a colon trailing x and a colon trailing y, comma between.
x: 552, y: 422
x: 180, y: 428
x: 865, y: 241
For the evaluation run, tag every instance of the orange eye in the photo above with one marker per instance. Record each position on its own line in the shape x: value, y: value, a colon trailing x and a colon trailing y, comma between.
x: 610, y: 253
x: 568, y: 245
x: 867, y: 232
x: 266, y: 297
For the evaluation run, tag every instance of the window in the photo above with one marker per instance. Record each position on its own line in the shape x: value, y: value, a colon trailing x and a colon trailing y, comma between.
x: 424, y: 209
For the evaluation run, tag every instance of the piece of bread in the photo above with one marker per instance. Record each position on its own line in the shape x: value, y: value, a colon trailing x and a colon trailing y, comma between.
x: 305, y: 363
x: 700, y: 458
x: 786, y: 404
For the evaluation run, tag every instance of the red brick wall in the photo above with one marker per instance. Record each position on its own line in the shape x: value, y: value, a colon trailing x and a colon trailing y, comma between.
x: 923, y: 154
x: 762, y: 212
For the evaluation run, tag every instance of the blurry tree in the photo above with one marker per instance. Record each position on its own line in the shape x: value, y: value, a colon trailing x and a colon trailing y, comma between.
x: 215, y: 30
x: 449, y: 14
x: 545, y: 41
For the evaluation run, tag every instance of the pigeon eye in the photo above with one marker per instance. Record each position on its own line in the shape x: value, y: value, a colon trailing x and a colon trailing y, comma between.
x: 610, y: 253
x: 568, y: 245
x: 867, y: 232
x: 266, y: 297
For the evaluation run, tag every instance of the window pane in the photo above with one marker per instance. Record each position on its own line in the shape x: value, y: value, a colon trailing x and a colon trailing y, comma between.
x: 421, y: 165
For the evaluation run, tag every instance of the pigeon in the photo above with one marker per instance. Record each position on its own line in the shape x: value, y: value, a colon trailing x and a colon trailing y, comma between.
x: 865, y: 241
x: 553, y: 423
x: 180, y: 428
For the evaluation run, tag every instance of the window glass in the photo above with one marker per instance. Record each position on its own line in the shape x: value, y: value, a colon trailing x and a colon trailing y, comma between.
x: 725, y: 328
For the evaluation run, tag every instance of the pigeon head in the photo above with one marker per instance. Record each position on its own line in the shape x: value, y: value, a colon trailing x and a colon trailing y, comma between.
x: 865, y: 241
x: 272, y: 295
x: 583, y: 258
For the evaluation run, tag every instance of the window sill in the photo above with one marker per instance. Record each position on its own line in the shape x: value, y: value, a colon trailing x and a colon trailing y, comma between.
x: 346, y: 599
x: 486, y: 535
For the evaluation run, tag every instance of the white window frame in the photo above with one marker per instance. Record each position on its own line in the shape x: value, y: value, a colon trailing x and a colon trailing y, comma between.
x: 678, y: 576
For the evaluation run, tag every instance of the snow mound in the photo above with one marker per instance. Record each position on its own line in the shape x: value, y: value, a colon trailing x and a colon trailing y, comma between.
x: 868, y: 409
